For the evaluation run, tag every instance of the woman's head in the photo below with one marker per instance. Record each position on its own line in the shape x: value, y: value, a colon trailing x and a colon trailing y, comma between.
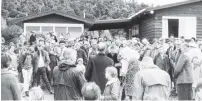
x: 70, y: 55
x: 5, y: 60
x: 111, y: 72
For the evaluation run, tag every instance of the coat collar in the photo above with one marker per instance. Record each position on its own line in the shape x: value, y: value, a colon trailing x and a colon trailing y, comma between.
x: 112, y: 81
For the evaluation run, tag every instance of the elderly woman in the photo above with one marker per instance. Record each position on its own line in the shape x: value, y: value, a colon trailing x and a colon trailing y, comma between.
x: 112, y: 87
x: 67, y: 79
x: 133, y: 68
x: 10, y: 89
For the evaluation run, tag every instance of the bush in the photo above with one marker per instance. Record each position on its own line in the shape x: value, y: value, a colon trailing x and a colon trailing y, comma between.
x: 11, y: 33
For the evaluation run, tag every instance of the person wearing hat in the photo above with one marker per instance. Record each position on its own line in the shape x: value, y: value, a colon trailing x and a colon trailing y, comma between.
x: 151, y: 83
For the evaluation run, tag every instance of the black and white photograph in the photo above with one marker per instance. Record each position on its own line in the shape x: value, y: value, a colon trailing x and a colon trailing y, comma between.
x: 100, y: 50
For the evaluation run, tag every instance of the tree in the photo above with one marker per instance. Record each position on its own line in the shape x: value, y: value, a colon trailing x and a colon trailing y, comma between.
x: 11, y: 33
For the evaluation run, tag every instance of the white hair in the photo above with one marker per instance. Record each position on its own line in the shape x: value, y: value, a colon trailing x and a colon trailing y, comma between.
x: 70, y: 56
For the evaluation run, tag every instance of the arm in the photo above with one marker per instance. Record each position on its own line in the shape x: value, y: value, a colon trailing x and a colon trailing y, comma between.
x: 180, y: 65
x: 85, y: 58
x: 47, y: 58
x: 89, y: 70
x: 81, y: 79
x: 15, y: 89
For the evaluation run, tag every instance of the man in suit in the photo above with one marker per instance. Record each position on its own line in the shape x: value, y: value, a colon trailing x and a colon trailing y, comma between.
x: 41, y: 64
x: 96, y: 67
x: 81, y: 53
x: 183, y: 74
x: 162, y: 60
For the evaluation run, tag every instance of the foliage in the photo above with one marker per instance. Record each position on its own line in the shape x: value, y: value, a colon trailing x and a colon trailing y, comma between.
x: 11, y: 34
x: 94, y: 9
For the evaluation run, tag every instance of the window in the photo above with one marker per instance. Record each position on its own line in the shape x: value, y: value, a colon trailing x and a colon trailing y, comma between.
x: 75, y: 32
x: 47, y: 29
x: 60, y: 29
x: 32, y: 28
x: 135, y: 30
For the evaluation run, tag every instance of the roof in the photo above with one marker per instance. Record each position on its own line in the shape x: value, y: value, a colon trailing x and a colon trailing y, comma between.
x: 175, y: 4
x: 148, y: 10
x: 33, y: 16
x: 122, y: 23
x: 110, y: 24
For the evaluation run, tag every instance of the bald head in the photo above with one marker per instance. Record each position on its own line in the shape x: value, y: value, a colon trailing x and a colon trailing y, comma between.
x: 101, y: 47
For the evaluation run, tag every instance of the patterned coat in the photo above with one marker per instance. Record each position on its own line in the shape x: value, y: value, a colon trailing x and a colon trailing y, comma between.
x: 133, y: 68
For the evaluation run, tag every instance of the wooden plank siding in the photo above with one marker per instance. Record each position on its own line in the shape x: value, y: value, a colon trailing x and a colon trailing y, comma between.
x: 146, y: 28
x: 187, y: 10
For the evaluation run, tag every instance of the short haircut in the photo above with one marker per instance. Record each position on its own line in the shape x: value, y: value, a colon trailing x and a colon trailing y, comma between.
x: 112, y: 71
x: 5, y: 60
x: 101, y: 46
x: 91, y: 91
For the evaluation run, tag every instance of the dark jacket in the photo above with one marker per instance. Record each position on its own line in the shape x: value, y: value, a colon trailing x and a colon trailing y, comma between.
x: 10, y: 89
x: 45, y: 58
x: 82, y: 54
x: 164, y: 63
x: 68, y: 82
x: 113, y: 57
x: 183, y: 70
x: 96, y: 69
x: 32, y: 39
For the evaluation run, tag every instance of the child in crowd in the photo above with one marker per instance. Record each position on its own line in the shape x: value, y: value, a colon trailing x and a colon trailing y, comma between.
x: 80, y: 65
x: 112, y: 87
x: 36, y: 94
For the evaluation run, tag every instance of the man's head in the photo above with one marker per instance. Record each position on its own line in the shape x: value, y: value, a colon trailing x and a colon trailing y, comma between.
x: 91, y: 91
x: 162, y: 50
x: 94, y: 43
x: 5, y: 61
x: 184, y: 47
x: 77, y: 46
x: 178, y: 43
x: 62, y: 43
x: 40, y: 44
x: 145, y: 41
x: 101, y: 47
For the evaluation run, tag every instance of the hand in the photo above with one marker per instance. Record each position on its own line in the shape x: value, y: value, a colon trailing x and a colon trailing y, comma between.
x: 48, y: 67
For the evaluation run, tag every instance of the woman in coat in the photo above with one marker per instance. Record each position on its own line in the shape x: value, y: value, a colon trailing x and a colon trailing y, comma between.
x: 10, y: 89
x: 67, y: 79
x: 133, y: 68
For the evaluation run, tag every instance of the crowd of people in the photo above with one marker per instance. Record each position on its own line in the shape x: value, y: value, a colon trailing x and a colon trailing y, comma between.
x: 99, y: 69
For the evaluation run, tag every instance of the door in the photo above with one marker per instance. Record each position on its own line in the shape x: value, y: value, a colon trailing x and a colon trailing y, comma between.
x: 187, y: 27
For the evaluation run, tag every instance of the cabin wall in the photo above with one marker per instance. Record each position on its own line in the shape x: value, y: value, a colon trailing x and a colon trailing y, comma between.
x: 188, y: 10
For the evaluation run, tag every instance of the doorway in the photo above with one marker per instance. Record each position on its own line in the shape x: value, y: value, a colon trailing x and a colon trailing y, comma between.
x: 173, y: 27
